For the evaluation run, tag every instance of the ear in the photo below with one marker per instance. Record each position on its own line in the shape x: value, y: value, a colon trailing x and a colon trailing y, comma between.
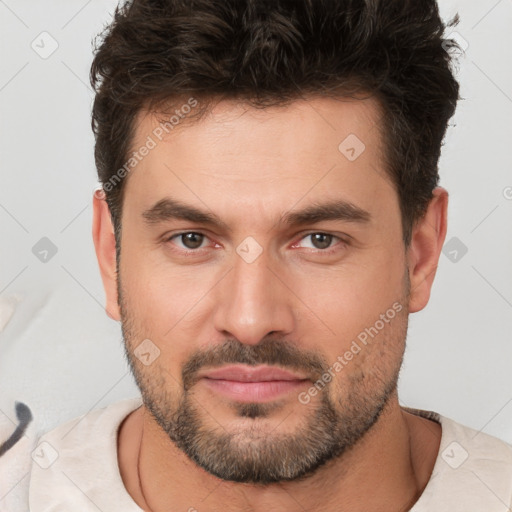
x: 105, y: 246
x: 426, y: 244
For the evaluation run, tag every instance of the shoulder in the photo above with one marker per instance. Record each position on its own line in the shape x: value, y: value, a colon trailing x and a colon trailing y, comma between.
x: 33, y: 470
x: 102, y: 422
x: 465, y: 446
x: 75, y: 464
x: 472, y: 470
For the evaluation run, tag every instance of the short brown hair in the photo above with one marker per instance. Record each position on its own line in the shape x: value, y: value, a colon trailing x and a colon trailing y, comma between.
x: 270, y: 52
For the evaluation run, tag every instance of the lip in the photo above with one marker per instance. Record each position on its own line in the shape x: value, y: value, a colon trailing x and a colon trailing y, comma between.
x: 244, y: 383
x: 245, y: 373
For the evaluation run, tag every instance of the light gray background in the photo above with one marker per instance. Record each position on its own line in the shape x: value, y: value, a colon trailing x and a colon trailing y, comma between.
x: 60, y: 353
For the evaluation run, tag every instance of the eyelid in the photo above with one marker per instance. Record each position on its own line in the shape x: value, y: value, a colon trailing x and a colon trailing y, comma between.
x: 169, y: 238
x: 343, y: 242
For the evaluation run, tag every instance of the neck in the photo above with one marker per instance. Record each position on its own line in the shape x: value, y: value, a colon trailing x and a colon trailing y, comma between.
x: 386, y: 470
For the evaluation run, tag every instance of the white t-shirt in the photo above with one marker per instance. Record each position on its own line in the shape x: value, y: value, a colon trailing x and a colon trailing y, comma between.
x: 74, y: 468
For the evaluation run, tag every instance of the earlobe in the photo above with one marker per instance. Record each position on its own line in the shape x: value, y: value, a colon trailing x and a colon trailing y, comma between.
x: 105, y: 247
x: 426, y: 244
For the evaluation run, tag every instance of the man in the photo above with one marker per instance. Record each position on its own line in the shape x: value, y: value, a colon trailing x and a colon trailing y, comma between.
x: 269, y: 217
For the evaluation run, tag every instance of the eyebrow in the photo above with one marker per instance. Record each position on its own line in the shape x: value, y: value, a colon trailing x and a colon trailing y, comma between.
x: 341, y: 210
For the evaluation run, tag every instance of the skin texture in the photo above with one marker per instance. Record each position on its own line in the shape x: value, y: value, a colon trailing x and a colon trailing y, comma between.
x: 250, y: 167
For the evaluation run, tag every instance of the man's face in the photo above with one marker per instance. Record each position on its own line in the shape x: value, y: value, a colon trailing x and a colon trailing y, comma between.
x: 324, y: 298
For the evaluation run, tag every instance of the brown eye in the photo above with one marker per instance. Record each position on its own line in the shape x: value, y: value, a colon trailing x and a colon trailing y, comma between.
x: 323, y: 243
x: 190, y: 240
x: 321, y: 240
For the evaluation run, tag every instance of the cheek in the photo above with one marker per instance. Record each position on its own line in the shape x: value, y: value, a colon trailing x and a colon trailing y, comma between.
x: 159, y: 293
x: 360, y: 321
x: 371, y: 360
x: 342, y: 301
x: 163, y: 304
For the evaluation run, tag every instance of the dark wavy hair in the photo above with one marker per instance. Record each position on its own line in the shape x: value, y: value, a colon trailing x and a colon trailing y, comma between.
x: 270, y: 53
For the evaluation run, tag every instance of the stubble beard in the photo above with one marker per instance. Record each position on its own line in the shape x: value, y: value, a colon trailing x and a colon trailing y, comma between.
x: 256, y: 454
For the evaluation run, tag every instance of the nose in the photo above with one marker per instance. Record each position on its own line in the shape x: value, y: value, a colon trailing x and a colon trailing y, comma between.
x: 253, y: 303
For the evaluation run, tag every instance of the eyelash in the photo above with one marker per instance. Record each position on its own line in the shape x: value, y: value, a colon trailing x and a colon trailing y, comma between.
x: 328, y: 251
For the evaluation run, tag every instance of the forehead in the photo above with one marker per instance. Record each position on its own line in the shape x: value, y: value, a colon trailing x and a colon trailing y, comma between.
x: 240, y: 156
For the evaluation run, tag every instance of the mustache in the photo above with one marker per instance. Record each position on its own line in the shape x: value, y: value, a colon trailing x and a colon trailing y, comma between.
x: 270, y: 351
